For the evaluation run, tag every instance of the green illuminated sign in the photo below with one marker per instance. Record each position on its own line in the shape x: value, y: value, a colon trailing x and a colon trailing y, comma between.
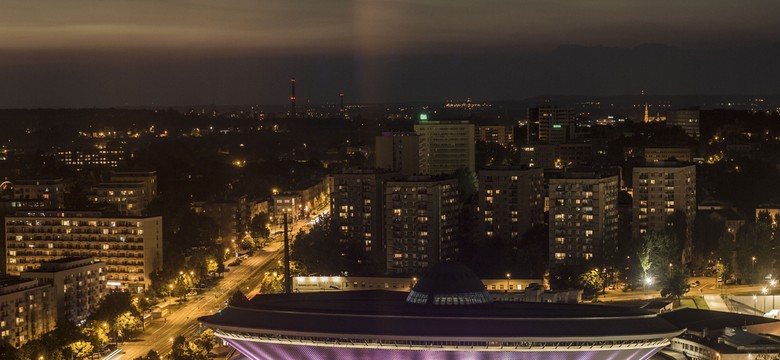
x: 423, y: 117
x: 557, y: 126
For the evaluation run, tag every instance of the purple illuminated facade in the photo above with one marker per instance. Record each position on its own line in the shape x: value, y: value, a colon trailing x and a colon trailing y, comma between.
x: 266, y: 351
x: 440, y: 318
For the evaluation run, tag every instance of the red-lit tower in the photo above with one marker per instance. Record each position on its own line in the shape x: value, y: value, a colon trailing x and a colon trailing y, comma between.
x: 341, y: 97
x: 292, y: 98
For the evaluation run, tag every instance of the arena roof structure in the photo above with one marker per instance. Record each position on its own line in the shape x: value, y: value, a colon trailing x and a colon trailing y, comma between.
x: 378, y: 324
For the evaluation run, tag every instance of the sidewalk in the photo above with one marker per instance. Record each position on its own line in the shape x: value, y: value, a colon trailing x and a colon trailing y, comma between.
x: 716, y: 303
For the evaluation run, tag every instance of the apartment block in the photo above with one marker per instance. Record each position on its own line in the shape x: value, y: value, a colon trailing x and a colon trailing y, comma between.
x: 78, y: 285
x: 550, y: 124
x: 398, y: 152
x: 583, y: 217
x: 421, y: 222
x: 511, y: 200
x: 445, y: 146
x: 131, y: 247
x: 356, y: 212
x: 289, y: 203
x: 229, y: 215
x: 687, y: 119
x: 129, y: 199
x: 148, y: 178
x: 40, y: 193
x: 660, y: 190
x: 91, y: 158
x: 538, y: 156
x: 27, y: 310
x: 499, y: 134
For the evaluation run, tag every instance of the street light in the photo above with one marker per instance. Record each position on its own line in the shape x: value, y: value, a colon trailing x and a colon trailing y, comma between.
x: 508, y: 276
x: 764, y: 291
x: 754, y: 270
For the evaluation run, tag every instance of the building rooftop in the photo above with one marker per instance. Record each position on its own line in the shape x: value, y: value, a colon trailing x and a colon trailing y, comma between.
x: 385, y: 313
x: 37, y: 181
x: 449, y: 283
x: 698, y: 320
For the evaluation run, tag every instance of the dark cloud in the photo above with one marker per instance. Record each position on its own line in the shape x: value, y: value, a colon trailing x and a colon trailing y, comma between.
x: 167, y: 52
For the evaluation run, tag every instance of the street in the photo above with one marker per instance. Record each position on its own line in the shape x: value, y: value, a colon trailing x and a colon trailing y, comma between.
x: 182, y: 319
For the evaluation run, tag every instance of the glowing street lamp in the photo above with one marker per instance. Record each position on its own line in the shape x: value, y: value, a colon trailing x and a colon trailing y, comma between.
x: 508, y: 276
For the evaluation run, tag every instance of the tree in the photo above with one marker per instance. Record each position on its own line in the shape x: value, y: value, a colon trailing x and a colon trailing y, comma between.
x: 591, y: 281
x: 320, y: 251
x: 126, y: 324
x: 207, y: 339
x: 753, y: 256
x: 151, y: 355
x: 272, y: 283
x: 658, y: 250
x: 187, y: 350
x: 96, y: 333
x: 258, y: 227
x: 237, y: 299
x: 113, y: 305
x: 81, y: 350
x: 8, y: 352
x: 676, y: 285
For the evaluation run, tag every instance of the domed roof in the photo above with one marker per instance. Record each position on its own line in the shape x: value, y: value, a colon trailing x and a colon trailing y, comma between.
x: 449, y: 283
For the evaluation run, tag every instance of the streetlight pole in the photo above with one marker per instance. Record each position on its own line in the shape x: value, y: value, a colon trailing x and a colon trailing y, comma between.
x: 755, y: 305
x: 508, y: 276
x: 752, y: 276
x: 764, y: 290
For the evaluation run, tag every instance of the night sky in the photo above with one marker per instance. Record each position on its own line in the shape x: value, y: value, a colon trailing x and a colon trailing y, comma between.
x: 84, y: 53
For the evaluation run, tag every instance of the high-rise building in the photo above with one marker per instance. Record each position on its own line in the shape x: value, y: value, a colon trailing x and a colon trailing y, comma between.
x: 148, y: 178
x: 583, y: 217
x: 499, y: 134
x: 445, y: 146
x: 573, y: 155
x: 27, y: 310
x: 398, y: 152
x: 687, y: 119
x: 538, y: 156
x: 230, y: 217
x: 421, y: 223
x: 131, y: 247
x: 510, y: 202
x: 129, y: 199
x: 356, y: 211
x: 80, y: 159
x: 550, y: 124
x: 40, y: 193
x: 660, y: 190
x: 78, y: 285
